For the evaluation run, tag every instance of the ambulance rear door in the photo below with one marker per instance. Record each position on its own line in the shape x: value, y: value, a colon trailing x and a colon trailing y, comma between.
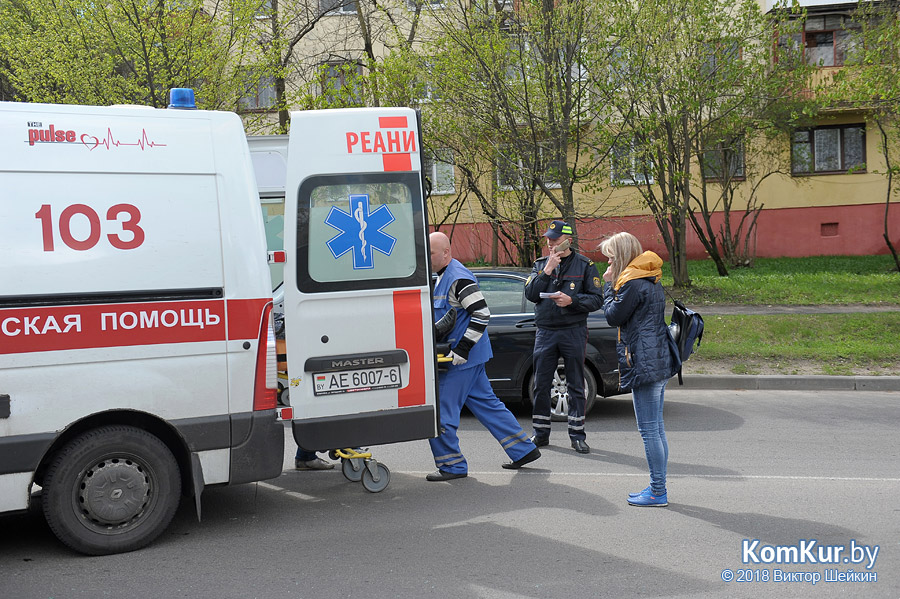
x: 358, y: 317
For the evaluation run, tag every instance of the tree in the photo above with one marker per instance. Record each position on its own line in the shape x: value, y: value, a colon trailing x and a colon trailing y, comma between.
x: 123, y: 51
x: 691, y: 74
x: 872, y: 82
x: 509, y: 91
x: 761, y: 96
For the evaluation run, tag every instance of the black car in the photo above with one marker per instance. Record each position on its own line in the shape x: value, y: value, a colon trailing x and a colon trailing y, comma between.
x: 512, y: 330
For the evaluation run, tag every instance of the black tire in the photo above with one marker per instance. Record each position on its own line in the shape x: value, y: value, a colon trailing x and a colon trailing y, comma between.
x: 110, y: 490
x: 559, y: 394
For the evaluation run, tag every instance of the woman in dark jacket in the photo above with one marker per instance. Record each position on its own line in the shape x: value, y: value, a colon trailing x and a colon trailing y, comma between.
x: 633, y: 301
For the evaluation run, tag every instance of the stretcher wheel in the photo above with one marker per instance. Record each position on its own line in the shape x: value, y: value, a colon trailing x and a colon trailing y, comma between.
x: 376, y: 486
x: 353, y: 468
x: 332, y: 455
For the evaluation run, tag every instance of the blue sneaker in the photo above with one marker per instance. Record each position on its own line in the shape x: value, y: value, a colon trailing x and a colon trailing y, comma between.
x: 639, y: 493
x: 649, y: 500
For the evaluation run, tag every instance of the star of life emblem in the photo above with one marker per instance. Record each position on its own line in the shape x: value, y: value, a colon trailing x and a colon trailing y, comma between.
x: 360, y: 231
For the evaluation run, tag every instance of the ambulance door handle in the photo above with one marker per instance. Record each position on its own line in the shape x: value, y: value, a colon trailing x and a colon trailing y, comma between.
x: 528, y: 322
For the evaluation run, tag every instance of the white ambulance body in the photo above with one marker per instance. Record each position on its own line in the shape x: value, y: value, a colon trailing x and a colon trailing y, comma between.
x: 137, y: 357
x: 357, y: 296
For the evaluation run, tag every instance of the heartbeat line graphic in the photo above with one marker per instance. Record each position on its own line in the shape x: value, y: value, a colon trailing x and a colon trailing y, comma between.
x: 93, y: 142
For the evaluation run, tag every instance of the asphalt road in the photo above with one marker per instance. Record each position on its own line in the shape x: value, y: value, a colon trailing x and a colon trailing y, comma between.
x: 784, y: 467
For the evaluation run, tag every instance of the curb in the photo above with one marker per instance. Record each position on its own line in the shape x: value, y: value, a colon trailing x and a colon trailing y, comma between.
x: 789, y: 383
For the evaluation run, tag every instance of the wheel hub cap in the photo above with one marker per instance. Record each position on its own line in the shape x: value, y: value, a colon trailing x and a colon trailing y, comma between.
x: 114, y: 492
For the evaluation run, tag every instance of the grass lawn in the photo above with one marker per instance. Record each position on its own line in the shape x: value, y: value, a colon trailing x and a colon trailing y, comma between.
x: 793, y: 281
x: 836, y: 344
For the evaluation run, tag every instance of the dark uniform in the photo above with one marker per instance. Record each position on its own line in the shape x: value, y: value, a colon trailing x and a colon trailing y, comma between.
x: 562, y: 332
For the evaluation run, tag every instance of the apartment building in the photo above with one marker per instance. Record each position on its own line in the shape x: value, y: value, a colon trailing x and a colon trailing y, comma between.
x: 828, y: 198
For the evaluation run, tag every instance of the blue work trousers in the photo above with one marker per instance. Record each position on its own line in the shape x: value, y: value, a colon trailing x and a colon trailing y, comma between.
x: 470, y: 387
x: 549, y: 346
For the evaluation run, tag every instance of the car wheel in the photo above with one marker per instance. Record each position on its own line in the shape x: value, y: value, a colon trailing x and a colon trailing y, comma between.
x: 111, y: 490
x: 559, y: 394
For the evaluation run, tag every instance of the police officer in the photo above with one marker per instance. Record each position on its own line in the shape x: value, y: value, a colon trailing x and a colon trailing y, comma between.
x: 564, y: 287
x: 465, y: 382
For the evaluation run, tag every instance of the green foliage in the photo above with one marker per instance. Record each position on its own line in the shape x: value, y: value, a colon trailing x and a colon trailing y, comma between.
x: 80, y: 51
x: 795, y: 281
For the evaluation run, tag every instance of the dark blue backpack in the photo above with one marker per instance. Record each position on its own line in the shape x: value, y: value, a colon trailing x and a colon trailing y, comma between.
x: 686, y: 329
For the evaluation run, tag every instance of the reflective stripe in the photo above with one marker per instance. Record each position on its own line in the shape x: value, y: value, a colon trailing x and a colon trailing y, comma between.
x: 511, y: 440
x: 541, y: 426
x: 441, y: 458
x: 512, y: 443
x: 540, y: 417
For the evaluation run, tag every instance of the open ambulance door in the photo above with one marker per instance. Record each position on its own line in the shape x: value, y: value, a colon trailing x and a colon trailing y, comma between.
x: 357, y: 302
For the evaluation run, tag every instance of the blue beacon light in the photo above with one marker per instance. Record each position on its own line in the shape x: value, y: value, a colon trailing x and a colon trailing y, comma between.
x: 182, y: 98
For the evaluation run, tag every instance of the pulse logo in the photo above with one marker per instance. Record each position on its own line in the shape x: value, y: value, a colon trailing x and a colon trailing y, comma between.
x: 52, y: 134
x: 360, y: 231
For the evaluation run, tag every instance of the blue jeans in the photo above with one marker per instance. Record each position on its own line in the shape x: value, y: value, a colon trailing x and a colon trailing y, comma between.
x: 305, y: 456
x: 648, y: 410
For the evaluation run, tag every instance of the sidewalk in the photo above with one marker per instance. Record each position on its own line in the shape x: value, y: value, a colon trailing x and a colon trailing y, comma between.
x: 717, y: 309
x: 789, y: 382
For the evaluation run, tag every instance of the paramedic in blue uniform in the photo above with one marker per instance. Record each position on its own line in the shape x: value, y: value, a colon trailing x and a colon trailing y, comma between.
x: 465, y: 383
x: 562, y: 331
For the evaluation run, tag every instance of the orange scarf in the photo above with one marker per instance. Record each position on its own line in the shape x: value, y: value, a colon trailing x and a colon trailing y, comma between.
x: 644, y: 266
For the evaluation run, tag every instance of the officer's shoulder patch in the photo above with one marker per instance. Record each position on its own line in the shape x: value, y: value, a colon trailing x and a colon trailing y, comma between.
x: 529, y: 279
x: 596, y: 281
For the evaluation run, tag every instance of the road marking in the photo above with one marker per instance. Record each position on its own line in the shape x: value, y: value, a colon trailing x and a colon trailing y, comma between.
x: 294, y: 494
x: 645, y: 474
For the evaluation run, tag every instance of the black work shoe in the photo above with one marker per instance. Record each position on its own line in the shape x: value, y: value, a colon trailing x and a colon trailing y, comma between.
x: 525, y: 459
x: 580, y: 446
x: 444, y: 475
x: 540, y: 441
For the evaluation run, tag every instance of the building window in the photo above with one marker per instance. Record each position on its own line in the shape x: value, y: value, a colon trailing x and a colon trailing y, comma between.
x: 835, y: 149
x: 827, y: 40
x: 413, y: 4
x: 724, y: 162
x: 629, y: 166
x: 512, y: 170
x: 341, y: 82
x: 425, y: 88
x: 439, y: 168
x: 346, y: 7
x: 259, y: 92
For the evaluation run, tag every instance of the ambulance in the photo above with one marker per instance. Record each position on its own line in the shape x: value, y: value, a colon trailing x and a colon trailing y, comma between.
x: 355, y: 291
x: 137, y: 350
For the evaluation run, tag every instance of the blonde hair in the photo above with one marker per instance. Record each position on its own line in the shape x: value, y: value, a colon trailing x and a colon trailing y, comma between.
x: 623, y: 247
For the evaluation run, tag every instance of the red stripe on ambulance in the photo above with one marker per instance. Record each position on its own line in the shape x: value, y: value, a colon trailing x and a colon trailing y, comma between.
x: 392, y: 140
x: 40, y: 329
x: 409, y: 336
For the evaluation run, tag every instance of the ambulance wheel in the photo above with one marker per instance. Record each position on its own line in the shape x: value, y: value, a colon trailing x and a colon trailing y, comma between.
x: 376, y: 486
x: 559, y: 393
x: 111, y: 490
x: 353, y: 468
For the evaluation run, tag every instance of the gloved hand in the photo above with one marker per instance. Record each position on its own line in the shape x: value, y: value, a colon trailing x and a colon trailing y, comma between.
x: 457, y: 359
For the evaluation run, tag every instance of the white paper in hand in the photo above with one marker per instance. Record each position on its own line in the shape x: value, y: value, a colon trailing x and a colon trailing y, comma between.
x: 545, y: 295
